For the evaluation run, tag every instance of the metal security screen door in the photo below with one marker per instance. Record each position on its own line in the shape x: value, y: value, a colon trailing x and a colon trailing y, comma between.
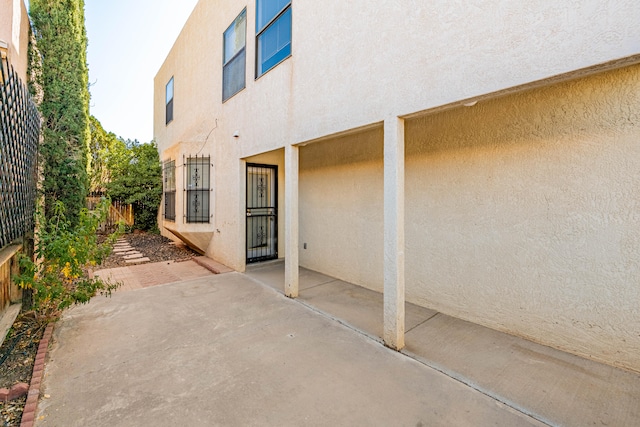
x: 262, y: 212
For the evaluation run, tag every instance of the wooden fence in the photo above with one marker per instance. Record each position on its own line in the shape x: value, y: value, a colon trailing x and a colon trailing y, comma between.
x: 9, y: 293
x: 118, y: 211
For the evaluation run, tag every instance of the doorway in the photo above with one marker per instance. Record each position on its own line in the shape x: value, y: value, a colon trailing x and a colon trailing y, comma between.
x: 262, y: 212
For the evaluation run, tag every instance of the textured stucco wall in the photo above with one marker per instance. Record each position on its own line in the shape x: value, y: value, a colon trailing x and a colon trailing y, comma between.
x: 396, y: 58
x: 520, y: 210
x: 357, y: 62
x: 523, y: 213
x: 14, y: 30
x: 341, y: 207
x: 338, y: 81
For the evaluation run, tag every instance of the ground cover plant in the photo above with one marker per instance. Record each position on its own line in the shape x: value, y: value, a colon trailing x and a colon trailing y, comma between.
x: 59, y: 274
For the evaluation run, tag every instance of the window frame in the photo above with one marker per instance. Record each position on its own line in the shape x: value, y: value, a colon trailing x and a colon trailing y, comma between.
x: 240, y: 53
x: 261, y: 30
x: 169, y: 102
x: 169, y: 189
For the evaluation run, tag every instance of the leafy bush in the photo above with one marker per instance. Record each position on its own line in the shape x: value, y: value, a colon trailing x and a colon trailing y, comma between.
x: 61, y: 39
x: 60, y: 275
x: 136, y: 178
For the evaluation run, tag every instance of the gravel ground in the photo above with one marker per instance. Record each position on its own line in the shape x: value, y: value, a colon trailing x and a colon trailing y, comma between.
x: 18, y: 354
x: 154, y: 246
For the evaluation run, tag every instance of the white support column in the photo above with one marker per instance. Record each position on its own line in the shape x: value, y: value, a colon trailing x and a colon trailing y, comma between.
x: 291, y: 263
x: 394, y: 233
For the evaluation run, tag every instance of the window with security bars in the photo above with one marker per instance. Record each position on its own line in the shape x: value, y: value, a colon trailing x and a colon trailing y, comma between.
x: 197, y: 191
x: 233, y: 68
x: 170, y: 190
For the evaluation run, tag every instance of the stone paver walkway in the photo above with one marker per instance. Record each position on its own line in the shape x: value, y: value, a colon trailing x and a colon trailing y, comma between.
x: 129, y: 253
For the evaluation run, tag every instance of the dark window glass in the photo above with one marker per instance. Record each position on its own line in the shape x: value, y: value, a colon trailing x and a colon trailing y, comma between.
x: 233, y: 69
x: 267, y: 10
x: 273, y: 25
x: 170, y: 190
x: 169, y: 101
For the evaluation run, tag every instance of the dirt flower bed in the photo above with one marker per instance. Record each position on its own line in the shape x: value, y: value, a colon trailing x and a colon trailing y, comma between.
x: 18, y: 354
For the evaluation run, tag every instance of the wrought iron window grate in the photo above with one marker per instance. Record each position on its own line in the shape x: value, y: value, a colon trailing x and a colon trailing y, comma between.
x: 19, y: 136
x: 198, y: 188
x: 169, y: 171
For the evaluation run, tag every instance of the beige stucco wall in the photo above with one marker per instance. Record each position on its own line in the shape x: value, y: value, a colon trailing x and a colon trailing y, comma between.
x: 345, y: 79
x: 14, y: 30
x: 341, y: 207
x: 522, y: 215
x: 520, y: 210
x: 394, y: 59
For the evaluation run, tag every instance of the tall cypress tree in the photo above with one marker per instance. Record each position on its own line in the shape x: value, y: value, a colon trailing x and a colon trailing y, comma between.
x: 62, y: 41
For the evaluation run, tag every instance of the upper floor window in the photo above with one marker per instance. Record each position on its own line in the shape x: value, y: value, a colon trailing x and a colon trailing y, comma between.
x: 169, y: 101
x: 233, y: 68
x: 273, y: 29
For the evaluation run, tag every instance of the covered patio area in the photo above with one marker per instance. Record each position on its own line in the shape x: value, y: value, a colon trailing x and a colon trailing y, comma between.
x: 551, y: 386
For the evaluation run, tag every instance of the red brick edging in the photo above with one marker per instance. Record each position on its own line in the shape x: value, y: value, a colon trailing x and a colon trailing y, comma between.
x: 29, y: 413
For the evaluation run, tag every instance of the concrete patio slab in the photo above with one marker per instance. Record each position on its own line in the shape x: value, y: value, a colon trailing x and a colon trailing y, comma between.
x: 552, y: 386
x: 225, y: 350
x: 359, y: 307
x: 556, y: 387
x: 272, y: 274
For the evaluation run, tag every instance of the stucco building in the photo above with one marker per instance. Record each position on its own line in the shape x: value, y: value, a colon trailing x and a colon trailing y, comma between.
x: 15, y: 30
x: 478, y: 158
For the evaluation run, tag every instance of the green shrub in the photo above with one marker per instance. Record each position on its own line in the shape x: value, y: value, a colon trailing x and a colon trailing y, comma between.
x: 60, y: 274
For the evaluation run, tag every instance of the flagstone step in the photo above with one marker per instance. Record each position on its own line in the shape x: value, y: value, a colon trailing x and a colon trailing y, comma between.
x: 137, y: 260
x: 131, y: 255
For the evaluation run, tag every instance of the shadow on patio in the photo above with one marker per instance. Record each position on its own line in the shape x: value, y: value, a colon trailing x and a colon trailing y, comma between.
x: 552, y: 386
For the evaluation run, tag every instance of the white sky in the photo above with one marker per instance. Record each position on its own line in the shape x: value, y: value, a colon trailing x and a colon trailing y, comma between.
x: 128, y: 41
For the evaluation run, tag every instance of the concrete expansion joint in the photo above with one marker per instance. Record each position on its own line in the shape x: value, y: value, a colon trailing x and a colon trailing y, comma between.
x: 453, y: 375
x: 341, y: 322
x: 468, y: 383
x: 320, y: 284
x: 421, y: 323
